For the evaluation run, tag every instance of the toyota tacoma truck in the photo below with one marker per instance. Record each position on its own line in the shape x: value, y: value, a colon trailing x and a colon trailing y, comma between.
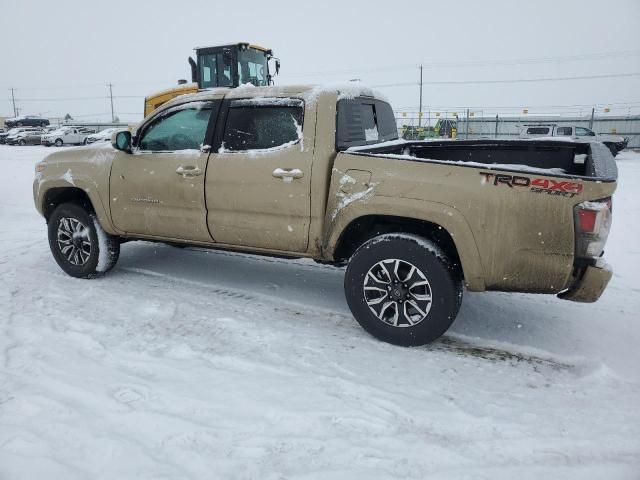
x: 315, y: 172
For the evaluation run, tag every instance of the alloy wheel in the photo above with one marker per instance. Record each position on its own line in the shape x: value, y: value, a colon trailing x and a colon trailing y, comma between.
x: 73, y: 241
x: 397, y: 293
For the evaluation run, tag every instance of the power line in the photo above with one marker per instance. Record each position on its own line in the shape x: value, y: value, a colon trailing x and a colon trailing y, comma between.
x: 60, y: 99
x: 477, y: 63
x: 582, y: 105
x: 519, y: 80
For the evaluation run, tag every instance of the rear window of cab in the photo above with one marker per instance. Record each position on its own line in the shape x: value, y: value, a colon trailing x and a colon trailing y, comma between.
x: 364, y: 121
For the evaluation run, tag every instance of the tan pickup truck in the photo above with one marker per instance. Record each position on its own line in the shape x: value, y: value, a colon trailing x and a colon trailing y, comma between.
x: 316, y: 172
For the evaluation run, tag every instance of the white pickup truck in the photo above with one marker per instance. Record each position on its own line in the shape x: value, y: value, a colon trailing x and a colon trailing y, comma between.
x: 66, y: 136
x: 615, y: 143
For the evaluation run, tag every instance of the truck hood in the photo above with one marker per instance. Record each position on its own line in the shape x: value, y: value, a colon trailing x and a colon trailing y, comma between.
x: 88, y: 156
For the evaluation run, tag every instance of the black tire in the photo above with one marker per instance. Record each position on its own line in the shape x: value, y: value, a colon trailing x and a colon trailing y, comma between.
x: 97, y: 258
x: 58, y: 142
x: 444, y: 286
x: 22, y: 143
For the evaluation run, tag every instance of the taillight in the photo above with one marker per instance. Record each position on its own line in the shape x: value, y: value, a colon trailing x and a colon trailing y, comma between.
x: 593, y: 222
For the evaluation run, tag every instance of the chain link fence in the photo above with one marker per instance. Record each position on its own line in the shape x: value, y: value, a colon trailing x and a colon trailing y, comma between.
x: 477, y: 124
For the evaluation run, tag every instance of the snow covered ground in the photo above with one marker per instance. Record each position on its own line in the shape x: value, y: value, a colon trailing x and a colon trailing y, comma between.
x: 186, y: 363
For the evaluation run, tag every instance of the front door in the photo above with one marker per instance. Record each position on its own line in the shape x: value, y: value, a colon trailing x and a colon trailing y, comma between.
x: 159, y: 189
x: 259, y: 181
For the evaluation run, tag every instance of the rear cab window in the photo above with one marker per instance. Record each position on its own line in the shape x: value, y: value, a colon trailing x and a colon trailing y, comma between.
x: 364, y: 121
x: 263, y: 123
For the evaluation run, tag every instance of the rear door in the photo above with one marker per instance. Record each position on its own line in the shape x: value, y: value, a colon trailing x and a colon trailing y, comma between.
x: 159, y: 189
x: 259, y: 181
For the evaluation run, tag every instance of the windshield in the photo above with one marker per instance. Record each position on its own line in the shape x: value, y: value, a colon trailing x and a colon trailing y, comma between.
x: 252, y: 67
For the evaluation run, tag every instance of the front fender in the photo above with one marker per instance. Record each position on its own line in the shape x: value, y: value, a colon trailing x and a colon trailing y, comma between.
x: 86, y: 169
x: 440, y: 214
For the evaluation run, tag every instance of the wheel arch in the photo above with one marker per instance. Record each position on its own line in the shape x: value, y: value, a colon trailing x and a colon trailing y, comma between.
x: 442, y: 224
x: 58, y: 195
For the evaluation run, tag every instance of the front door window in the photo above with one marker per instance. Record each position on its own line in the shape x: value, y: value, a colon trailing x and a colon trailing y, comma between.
x: 181, y: 129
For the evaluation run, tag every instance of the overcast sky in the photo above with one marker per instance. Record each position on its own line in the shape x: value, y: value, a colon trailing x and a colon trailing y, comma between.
x: 59, y: 56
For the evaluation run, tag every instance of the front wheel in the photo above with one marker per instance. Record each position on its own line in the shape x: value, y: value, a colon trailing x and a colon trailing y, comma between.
x: 59, y: 142
x: 403, y: 289
x: 79, y: 244
x: 22, y: 143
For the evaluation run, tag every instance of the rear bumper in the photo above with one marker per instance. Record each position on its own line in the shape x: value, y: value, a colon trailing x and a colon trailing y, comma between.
x: 590, y: 286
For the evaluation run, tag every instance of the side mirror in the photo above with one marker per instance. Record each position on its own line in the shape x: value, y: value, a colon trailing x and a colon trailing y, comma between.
x: 122, y: 141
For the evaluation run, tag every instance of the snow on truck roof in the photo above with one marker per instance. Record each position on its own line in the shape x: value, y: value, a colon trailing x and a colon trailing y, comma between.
x: 345, y: 90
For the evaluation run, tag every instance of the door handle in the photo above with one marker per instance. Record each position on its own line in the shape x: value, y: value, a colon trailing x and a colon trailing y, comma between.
x: 288, y: 174
x: 188, y: 171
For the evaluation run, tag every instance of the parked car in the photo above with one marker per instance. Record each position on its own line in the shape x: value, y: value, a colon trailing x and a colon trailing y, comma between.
x: 26, y: 137
x: 67, y: 135
x: 316, y: 173
x: 614, y: 143
x: 102, y: 135
x: 11, y: 133
x: 27, y: 121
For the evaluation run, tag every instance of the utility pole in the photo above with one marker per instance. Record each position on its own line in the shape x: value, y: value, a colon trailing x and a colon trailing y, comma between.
x: 420, y: 112
x: 593, y: 111
x: 13, y: 101
x: 466, y: 126
x: 113, y: 118
x: 496, y: 134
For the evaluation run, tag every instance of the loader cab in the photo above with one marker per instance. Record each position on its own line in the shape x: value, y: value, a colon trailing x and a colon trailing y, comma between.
x: 232, y: 66
x: 221, y: 66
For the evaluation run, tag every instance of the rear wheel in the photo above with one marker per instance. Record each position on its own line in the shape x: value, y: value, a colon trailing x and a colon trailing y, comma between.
x: 79, y: 244
x: 403, y: 289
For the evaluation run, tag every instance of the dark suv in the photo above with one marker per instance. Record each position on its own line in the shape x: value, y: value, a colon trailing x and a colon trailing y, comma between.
x: 26, y: 121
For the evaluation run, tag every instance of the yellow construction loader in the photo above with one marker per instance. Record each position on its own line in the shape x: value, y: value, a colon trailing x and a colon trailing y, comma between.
x: 221, y: 66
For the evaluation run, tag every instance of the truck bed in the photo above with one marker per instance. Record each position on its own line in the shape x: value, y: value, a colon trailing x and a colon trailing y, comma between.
x: 591, y: 160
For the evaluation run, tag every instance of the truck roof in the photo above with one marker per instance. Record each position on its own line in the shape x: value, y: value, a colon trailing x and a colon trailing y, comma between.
x: 344, y: 90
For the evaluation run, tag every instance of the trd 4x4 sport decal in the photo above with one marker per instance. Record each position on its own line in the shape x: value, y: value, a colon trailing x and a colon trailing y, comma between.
x: 535, y: 185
